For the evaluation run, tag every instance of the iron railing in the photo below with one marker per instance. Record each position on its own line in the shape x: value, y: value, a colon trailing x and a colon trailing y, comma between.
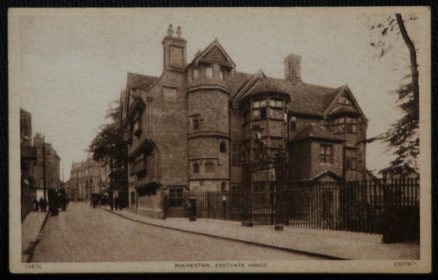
x: 361, y: 206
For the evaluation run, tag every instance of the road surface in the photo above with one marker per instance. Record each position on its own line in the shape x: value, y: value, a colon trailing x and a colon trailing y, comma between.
x: 84, y: 234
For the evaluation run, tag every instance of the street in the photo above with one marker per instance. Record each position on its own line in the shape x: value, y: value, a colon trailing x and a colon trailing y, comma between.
x: 84, y: 234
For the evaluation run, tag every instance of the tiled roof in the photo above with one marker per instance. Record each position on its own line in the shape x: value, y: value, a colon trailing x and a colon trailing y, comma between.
x: 213, y: 44
x: 316, y: 131
x: 268, y: 85
x: 140, y: 81
x: 309, y: 99
x: 236, y: 81
x: 304, y: 98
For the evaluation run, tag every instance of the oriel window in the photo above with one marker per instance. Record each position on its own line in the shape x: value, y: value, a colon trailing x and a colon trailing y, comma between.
x: 259, y: 109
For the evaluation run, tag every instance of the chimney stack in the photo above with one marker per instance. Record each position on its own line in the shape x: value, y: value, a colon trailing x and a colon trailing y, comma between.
x: 174, y: 50
x: 292, y: 68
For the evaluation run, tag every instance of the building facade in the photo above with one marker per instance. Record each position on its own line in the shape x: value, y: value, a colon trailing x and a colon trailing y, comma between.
x: 198, y: 126
x: 86, y: 178
x: 46, y: 171
x: 28, y: 159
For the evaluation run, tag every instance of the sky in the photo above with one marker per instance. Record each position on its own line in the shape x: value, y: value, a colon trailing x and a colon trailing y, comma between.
x: 72, y: 63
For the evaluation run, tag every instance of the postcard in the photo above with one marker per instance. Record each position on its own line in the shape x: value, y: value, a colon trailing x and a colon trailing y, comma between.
x: 220, y: 140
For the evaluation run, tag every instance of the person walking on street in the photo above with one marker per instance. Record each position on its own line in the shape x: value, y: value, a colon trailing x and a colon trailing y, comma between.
x: 43, y: 204
x: 35, y: 205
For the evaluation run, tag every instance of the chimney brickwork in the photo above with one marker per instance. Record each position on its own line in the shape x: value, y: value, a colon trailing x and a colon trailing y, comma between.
x: 292, y: 68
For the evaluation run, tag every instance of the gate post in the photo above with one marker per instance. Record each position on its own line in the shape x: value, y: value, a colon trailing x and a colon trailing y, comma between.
x: 281, y: 180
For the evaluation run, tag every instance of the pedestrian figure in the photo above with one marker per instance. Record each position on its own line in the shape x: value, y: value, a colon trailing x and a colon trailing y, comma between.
x: 43, y: 204
x: 35, y: 205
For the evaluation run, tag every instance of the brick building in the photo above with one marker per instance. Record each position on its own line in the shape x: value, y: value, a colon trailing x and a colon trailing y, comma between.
x: 87, y: 177
x: 191, y: 129
x: 28, y: 159
x: 48, y: 161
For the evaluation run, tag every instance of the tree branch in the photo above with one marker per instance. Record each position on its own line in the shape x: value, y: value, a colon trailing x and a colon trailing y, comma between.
x: 413, y: 57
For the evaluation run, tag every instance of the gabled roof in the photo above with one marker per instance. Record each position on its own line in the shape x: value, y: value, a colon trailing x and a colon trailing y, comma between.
x: 215, y: 44
x: 309, y: 99
x: 304, y: 98
x: 345, y: 90
x: 236, y: 82
x: 316, y: 131
x: 343, y: 110
x: 266, y: 85
x: 242, y: 90
x: 326, y: 173
x: 136, y: 81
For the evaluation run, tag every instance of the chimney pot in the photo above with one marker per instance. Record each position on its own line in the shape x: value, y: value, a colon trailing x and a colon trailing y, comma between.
x: 292, y: 68
x: 170, y: 31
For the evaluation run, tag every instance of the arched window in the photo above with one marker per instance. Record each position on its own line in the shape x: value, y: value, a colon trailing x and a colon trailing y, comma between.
x: 223, y: 147
x: 196, y: 167
x: 195, y: 124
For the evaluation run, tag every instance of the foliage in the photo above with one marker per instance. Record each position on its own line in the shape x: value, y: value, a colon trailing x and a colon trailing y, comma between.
x: 402, y: 137
x: 108, y: 146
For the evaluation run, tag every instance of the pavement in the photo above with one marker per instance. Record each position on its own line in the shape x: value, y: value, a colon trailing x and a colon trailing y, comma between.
x: 87, y: 234
x: 318, y: 243
x: 31, y: 229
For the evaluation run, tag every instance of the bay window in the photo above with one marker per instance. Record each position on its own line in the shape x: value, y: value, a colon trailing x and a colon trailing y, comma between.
x: 259, y: 109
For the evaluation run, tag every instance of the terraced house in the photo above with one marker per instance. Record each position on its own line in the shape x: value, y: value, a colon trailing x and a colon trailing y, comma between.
x: 191, y: 129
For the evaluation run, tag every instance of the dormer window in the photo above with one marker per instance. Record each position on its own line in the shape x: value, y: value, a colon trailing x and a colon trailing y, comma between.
x: 209, y: 72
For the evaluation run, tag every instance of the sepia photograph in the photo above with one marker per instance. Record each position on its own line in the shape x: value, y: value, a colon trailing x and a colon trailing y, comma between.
x: 219, y: 140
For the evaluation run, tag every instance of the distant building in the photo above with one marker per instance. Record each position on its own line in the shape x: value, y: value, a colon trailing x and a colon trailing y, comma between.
x: 191, y: 128
x: 87, y: 177
x: 47, y: 168
x: 28, y: 160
